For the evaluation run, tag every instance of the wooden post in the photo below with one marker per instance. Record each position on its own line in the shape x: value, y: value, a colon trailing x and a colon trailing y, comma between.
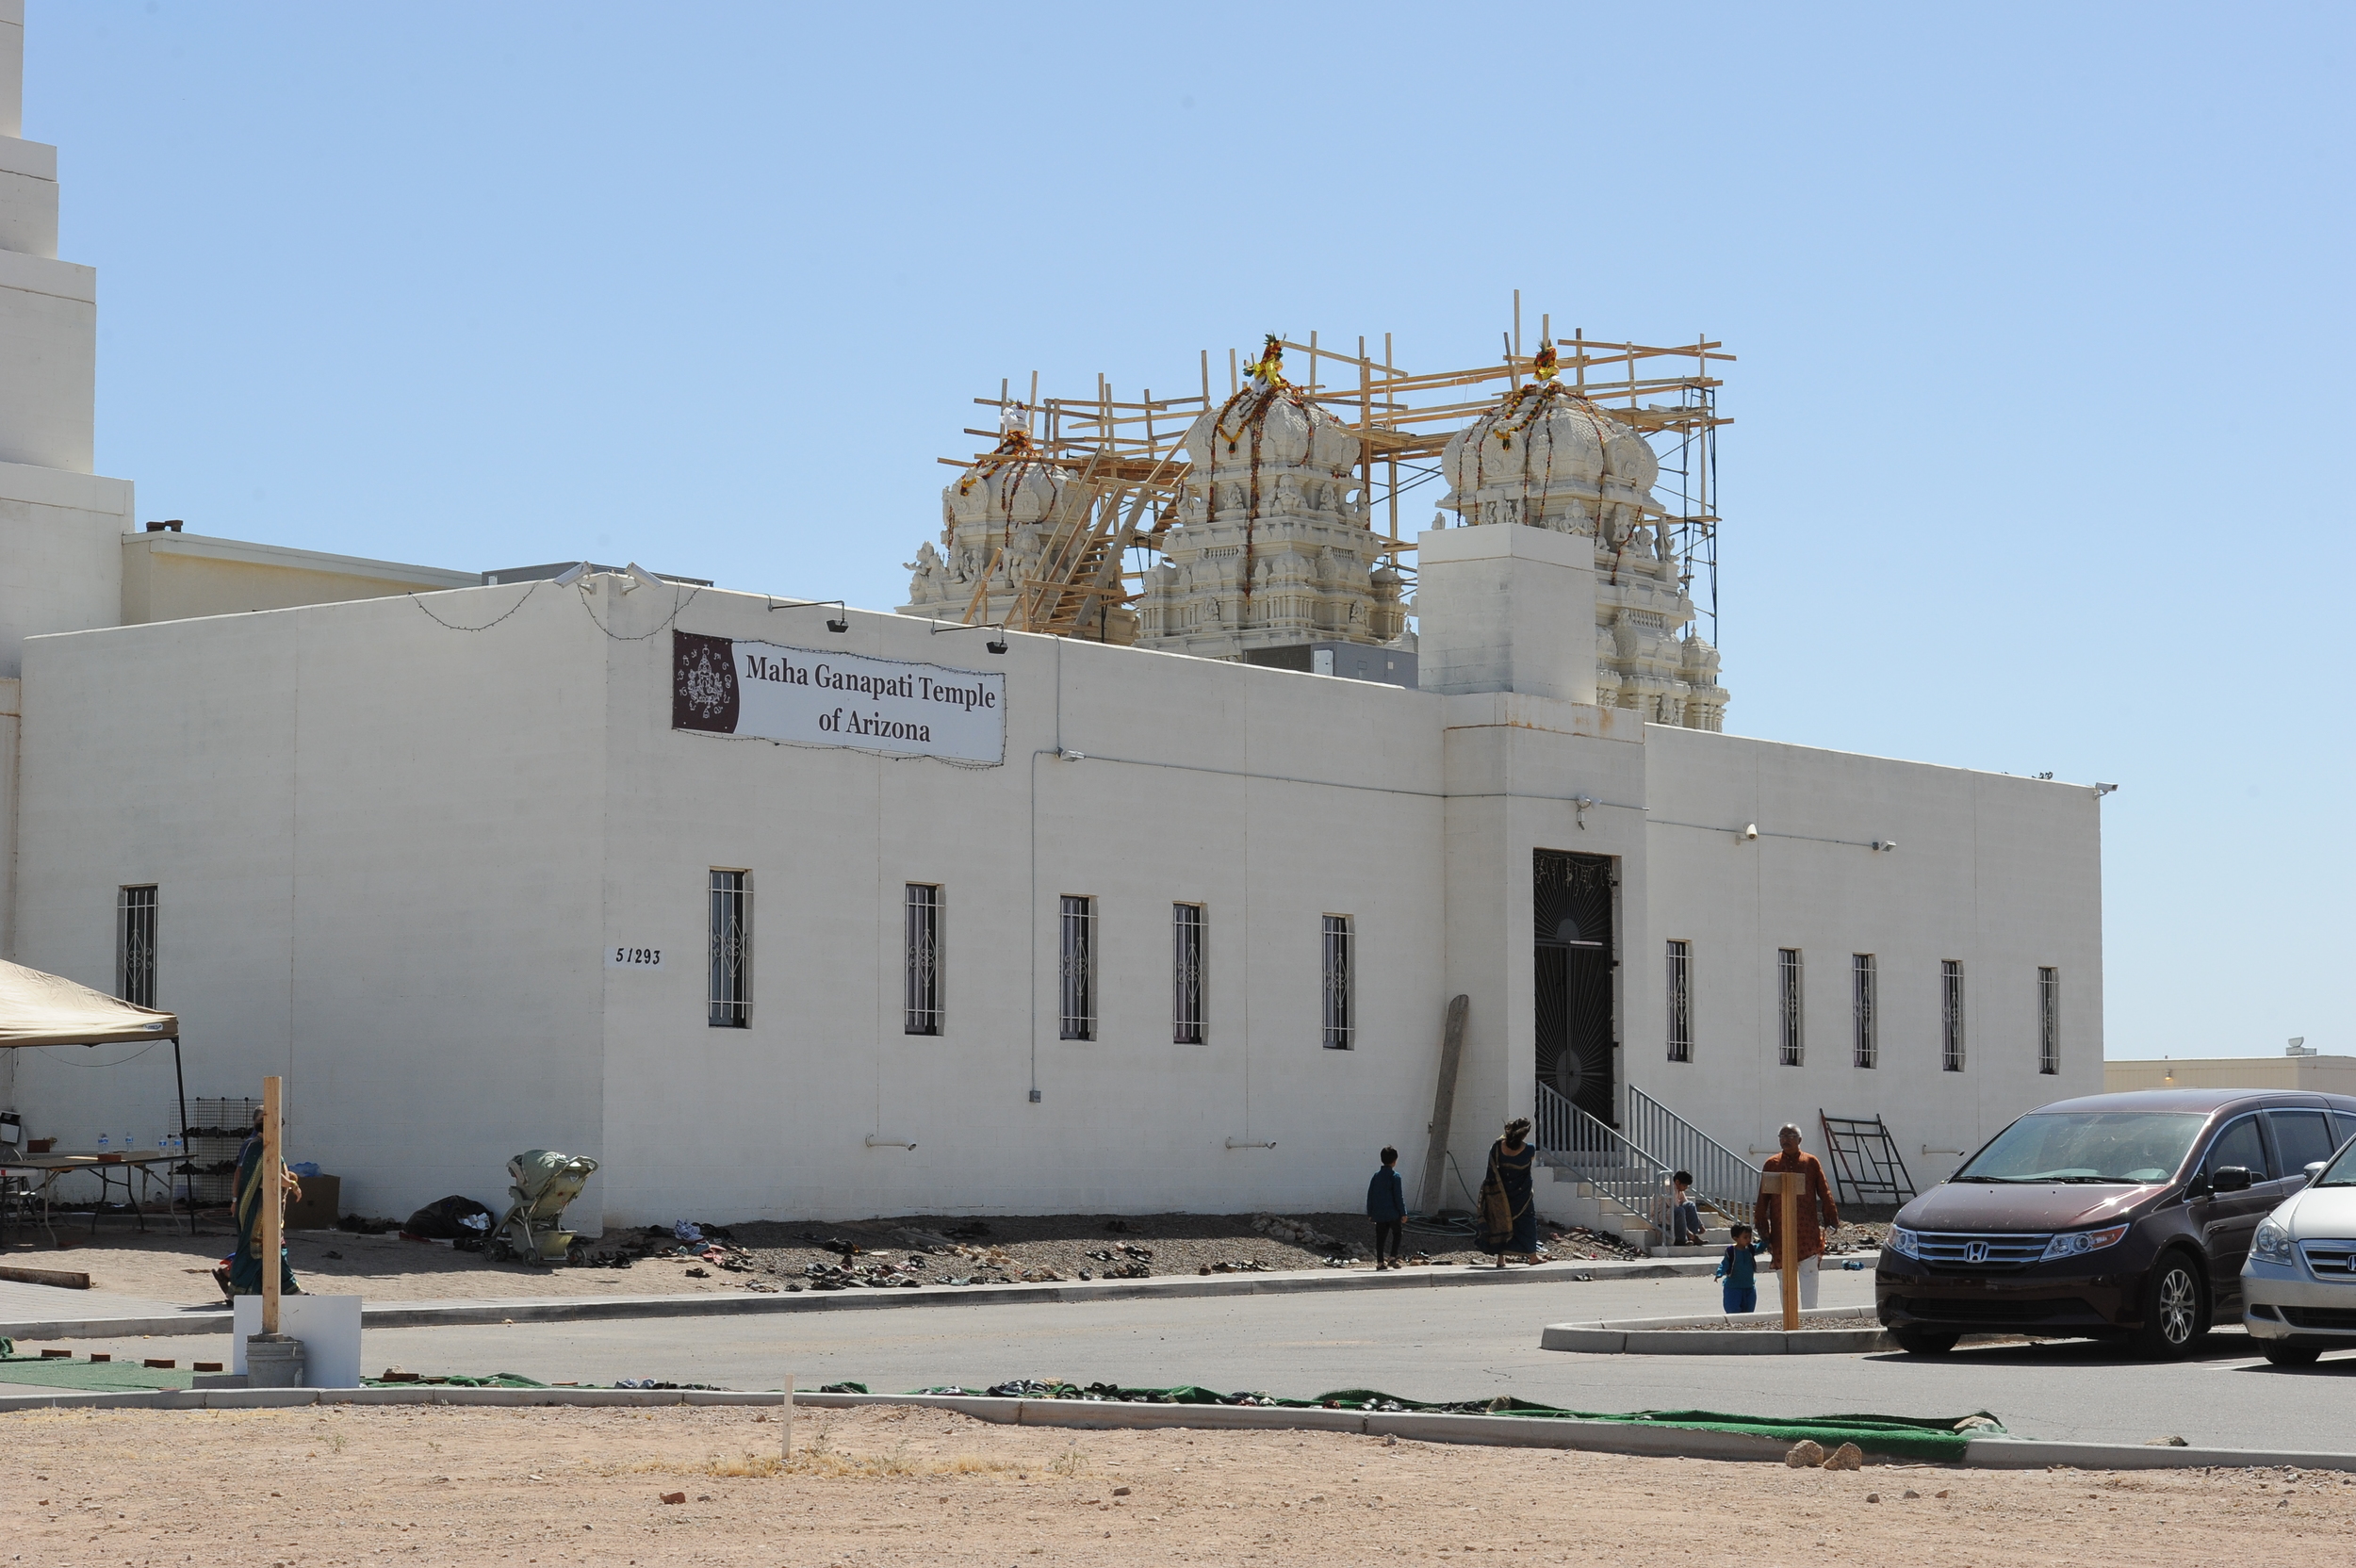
x: 789, y: 1418
x: 1789, y: 1185
x: 273, y: 1213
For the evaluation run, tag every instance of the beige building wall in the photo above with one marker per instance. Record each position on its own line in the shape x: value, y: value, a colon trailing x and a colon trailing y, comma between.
x: 179, y: 577
x: 2315, y: 1075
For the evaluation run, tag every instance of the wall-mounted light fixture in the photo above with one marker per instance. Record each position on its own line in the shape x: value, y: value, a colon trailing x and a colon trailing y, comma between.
x: 1885, y: 845
x: 838, y: 623
x: 1579, y: 803
x: 1749, y: 833
x: 1246, y: 1143
x: 874, y: 1142
x: 1067, y: 755
x: 997, y: 629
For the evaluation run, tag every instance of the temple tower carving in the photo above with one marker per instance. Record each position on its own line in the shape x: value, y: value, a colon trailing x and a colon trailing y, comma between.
x: 1548, y: 457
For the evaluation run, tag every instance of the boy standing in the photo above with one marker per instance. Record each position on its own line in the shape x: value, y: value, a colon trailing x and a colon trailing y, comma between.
x: 1739, y: 1268
x: 1386, y: 1205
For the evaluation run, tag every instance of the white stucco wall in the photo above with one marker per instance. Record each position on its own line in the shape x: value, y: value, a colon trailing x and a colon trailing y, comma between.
x: 392, y: 854
x: 376, y: 845
x: 61, y: 553
x: 2002, y: 874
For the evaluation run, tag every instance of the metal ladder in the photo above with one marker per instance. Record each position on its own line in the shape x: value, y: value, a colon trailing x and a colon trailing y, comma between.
x: 1866, y: 1166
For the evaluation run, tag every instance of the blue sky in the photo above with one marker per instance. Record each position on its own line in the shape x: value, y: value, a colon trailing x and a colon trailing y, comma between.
x: 2041, y: 312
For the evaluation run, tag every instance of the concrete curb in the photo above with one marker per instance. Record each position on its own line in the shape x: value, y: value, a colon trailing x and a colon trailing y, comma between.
x: 1610, y: 1437
x: 425, y: 1315
x: 1692, y: 1336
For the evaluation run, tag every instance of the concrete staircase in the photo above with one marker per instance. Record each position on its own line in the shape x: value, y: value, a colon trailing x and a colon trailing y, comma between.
x: 1576, y: 1197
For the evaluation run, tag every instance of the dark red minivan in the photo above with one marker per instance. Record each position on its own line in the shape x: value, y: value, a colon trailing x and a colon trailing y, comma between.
x: 2115, y: 1215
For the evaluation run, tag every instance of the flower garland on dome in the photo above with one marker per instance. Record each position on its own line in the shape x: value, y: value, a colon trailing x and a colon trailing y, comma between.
x: 1014, y: 454
x: 1267, y: 388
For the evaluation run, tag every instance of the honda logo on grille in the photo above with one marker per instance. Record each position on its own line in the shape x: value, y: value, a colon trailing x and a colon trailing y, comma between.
x: 1975, y: 1252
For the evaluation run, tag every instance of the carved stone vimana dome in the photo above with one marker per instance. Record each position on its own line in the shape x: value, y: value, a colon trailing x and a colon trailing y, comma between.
x: 1546, y: 457
x: 1272, y: 546
x: 999, y: 520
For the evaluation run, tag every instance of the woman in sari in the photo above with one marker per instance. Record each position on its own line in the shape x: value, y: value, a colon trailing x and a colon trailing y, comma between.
x: 244, y: 1272
x: 1509, y: 1219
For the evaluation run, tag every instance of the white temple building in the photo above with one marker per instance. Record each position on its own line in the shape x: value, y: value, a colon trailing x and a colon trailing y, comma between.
x: 780, y: 910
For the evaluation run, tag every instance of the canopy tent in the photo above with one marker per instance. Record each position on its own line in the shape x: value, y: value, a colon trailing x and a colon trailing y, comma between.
x: 37, y: 1008
x: 49, y: 1010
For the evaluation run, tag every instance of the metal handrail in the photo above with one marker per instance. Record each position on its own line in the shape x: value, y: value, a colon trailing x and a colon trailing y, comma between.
x: 1722, y: 1178
x: 1598, y: 1155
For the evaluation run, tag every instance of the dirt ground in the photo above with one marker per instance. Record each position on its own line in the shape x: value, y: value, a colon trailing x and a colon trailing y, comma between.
x: 761, y: 1256
x: 345, y: 1485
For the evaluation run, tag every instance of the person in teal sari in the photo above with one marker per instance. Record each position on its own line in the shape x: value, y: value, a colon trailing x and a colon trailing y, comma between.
x: 1507, y: 1220
x: 245, y: 1265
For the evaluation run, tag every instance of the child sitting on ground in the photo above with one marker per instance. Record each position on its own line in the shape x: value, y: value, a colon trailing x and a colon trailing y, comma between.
x: 1739, y: 1268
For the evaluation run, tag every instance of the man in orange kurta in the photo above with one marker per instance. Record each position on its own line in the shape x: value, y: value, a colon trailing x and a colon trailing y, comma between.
x: 1807, y: 1245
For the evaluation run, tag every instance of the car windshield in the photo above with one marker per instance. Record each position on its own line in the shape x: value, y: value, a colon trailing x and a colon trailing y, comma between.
x: 2087, y: 1146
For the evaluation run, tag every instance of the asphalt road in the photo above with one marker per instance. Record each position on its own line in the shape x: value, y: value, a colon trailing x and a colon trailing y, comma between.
x: 1455, y: 1343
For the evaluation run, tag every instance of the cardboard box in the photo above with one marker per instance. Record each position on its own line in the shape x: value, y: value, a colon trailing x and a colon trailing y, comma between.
x: 320, y: 1206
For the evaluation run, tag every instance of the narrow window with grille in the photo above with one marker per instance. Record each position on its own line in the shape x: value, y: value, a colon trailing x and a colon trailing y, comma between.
x: 135, y: 945
x: 1076, y: 968
x: 1680, y: 1001
x: 731, y: 989
x: 1341, y: 1014
x: 1186, y: 973
x: 1865, y: 1003
x: 2049, y: 1021
x: 1794, y: 1044
x: 1951, y: 1015
x: 921, y: 918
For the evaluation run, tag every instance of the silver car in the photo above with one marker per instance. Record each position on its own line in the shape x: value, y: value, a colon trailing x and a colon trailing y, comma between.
x: 2298, y: 1287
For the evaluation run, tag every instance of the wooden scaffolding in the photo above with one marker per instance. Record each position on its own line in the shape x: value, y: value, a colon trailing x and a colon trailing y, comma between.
x: 1125, y: 470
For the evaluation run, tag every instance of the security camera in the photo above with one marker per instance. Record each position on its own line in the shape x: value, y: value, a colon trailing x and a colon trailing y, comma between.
x: 643, y: 577
x: 570, y: 575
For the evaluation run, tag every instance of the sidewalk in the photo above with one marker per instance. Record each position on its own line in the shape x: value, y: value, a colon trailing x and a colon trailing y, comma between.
x: 45, y: 1311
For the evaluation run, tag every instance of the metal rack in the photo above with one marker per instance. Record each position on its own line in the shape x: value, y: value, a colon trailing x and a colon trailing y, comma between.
x: 215, y: 1132
x: 1866, y: 1165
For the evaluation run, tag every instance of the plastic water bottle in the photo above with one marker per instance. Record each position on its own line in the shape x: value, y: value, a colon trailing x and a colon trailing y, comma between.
x: 102, y: 1143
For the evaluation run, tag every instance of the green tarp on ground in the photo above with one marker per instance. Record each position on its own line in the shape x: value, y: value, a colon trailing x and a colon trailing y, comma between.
x: 1938, y: 1438
x: 88, y: 1376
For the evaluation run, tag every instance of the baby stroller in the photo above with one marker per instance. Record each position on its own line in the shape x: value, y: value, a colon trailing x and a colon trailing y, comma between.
x: 542, y: 1182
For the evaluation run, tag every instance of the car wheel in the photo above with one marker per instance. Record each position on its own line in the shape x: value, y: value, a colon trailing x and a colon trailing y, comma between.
x: 2292, y: 1355
x: 2173, y: 1308
x: 1924, y: 1342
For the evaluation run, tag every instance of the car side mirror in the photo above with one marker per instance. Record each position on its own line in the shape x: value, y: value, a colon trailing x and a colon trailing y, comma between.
x: 2314, y: 1168
x: 2230, y: 1178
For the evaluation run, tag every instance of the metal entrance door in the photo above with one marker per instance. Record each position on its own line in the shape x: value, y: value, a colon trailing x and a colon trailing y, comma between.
x: 1571, y: 924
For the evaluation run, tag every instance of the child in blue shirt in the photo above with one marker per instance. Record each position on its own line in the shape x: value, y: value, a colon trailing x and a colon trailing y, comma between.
x: 1739, y: 1268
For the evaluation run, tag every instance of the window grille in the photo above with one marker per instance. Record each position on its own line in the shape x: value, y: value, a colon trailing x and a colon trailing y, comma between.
x: 2049, y: 1021
x: 1865, y: 999
x: 731, y: 989
x: 1788, y: 1004
x: 1185, y: 1013
x: 135, y: 945
x: 1680, y: 1002
x: 1076, y: 969
x: 923, y: 921
x: 1951, y: 1015
x: 1341, y: 1020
